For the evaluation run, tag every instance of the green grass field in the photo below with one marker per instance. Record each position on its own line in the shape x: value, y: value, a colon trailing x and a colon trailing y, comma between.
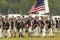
x: 56, y: 37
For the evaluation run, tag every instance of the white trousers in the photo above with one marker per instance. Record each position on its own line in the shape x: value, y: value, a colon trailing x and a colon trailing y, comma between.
x: 15, y: 30
x: 39, y: 29
x: 23, y: 33
x: 30, y: 29
x: 50, y: 32
x: 8, y: 33
x: 0, y: 33
x: 55, y: 29
x: 43, y: 32
x: 20, y: 30
x: 36, y: 32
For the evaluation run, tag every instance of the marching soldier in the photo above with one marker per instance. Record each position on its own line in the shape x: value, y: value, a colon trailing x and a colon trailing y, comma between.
x: 29, y: 23
x: 49, y: 24
x: 36, y: 27
x: 24, y: 25
x: 56, y: 24
x: 13, y: 28
x: 21, y: 31
x: 18, y: 22
x: 7, y: 27
x: 43, y: 26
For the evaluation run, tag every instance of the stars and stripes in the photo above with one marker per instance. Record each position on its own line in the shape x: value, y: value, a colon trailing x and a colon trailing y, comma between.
x: 38, y: 6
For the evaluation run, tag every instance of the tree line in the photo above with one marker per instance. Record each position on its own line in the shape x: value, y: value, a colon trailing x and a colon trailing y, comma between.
x: 23, y: 6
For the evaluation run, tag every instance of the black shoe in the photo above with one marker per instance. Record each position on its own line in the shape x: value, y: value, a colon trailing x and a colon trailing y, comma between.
x: 14, y: 36
x: 5, y: 36
x: 52, y: 36
x: 34, y: 36
x: 30, y: 36
x: 19, y: 35
x: 44, y: 37
x: 22, y: 36
x: 37, y: 36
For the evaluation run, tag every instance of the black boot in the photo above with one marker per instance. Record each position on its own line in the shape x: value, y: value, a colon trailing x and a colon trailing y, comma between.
x: 19, y: 35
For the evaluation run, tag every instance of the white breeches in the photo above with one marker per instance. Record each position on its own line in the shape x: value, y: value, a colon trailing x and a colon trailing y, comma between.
x: 36, y: 32
x: 43, y: 32
x: 15, y: 30
x: 30, y: 29
x: 55, y: 29
x: 22, y: 31
x: 50, y: 32
x: 8, y: 33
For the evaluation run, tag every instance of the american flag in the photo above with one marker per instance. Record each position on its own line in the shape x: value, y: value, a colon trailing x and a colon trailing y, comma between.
x: 38, y: 6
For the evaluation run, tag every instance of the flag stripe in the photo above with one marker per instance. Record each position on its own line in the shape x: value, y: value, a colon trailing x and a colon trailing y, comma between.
x: 37, y: 7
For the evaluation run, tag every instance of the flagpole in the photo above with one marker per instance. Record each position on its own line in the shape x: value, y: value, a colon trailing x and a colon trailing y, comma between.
x: 47, y: 7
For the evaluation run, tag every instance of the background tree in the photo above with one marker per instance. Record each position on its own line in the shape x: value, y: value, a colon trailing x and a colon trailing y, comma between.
x: 23, y: 6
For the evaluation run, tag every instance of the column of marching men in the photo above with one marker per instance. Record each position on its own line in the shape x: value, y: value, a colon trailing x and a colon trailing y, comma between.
x: 12, y: 26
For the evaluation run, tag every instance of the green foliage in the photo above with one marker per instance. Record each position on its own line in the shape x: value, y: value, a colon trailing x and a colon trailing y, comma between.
x: 54, y: 6
x: 23, y: 6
